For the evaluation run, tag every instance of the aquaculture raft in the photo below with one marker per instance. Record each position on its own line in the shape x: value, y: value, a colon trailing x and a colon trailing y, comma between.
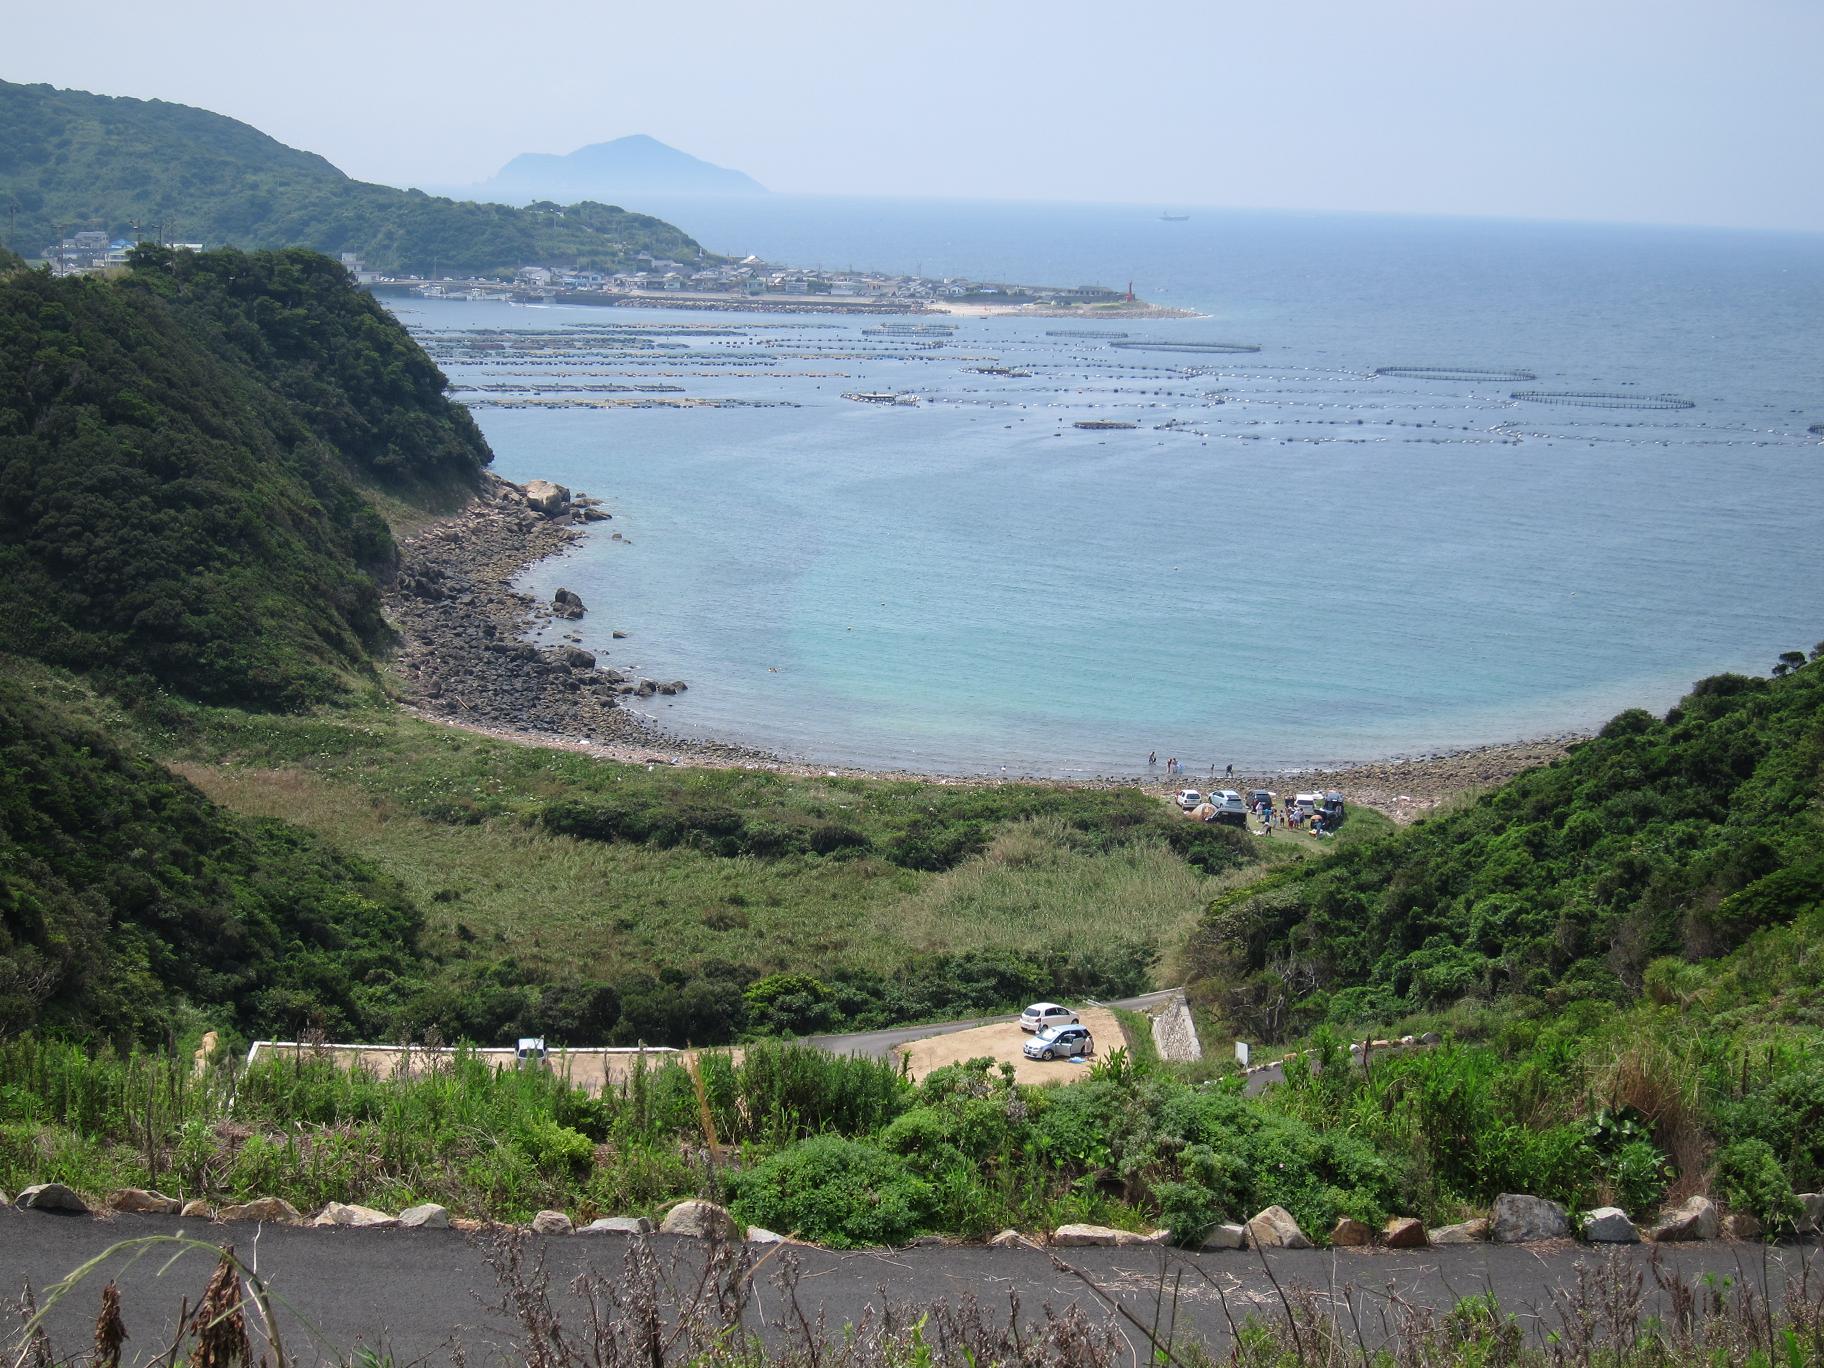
x: 910, y: 330
x: 1214, y: 348
x: 1083, y: 332
x: 1105, y: 425
x: 1603, y: 400
x: 1470, y: 373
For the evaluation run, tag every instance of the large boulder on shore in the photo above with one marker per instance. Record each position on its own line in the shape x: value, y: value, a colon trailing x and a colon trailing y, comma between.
x: 551, y: 1223
x: 1739, y: 1225
x: 1275, y: 1228
x: 139, y: 1199
x: 51, y: 1197
x: 566, y: 603
x: 1080, y: 1236
x: 1811, y: 1208
x: 274, y: 1209
x: 617, y: 1225
x: 1350, y: 1233
x: 1609, y: 1225
x: 1463, y: 1232
x: 1520, y: 1219
x: 1404, y: 1232
x: 348, y: 1214
x: 427, y: 1216
x: 705, y: 1220
x: 1226, y: 1236
x: 542, y: 496
x: 1696, y: 1219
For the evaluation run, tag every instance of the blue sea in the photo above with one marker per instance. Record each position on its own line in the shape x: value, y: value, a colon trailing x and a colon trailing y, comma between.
x: 1289, y: 559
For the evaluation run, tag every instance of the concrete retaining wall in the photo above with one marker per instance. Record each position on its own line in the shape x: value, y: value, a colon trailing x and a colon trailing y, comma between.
x: 1175, y: 1034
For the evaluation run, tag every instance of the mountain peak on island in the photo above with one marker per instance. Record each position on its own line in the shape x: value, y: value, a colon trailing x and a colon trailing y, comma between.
x: 635, y: 165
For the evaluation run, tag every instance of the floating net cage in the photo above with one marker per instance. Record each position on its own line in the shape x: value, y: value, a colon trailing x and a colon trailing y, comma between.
x: 1082, y: 332
x: 1209, y: 348
x: 1599, y: 399
x: 910, y: 330
x: 1816, y: 429
x: 1470, y: 373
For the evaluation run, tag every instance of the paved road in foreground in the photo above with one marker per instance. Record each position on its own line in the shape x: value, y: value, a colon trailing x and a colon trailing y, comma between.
x: 881, y: 1044
x: 418, y: 1293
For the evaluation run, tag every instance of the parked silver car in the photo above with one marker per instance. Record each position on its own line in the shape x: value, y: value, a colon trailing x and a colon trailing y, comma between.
x: 1061, y: 1042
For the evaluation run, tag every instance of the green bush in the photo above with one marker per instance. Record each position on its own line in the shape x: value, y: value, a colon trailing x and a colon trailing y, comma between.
x: 835, y: 1191
x: 1750, y: 1179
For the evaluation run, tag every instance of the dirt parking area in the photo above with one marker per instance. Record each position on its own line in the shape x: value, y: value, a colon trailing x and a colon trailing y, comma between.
x: 1004, y: 1041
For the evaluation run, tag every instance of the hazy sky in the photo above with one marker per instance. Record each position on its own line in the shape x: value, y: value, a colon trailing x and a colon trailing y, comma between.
x: 1679, y: 111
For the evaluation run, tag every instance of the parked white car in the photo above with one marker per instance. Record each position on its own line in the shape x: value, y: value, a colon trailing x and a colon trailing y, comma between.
x: 1042, y: 1016
x: 1190, y: 800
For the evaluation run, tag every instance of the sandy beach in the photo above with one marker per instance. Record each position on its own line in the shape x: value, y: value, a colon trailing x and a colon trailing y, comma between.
x: 469, y: 658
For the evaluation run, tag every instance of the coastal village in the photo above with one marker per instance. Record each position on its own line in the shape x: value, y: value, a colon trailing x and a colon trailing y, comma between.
x: 749, y: 282
x: 709, y: 280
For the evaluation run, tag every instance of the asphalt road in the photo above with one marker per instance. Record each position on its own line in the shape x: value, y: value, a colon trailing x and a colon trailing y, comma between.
x: 419, y: 1294
x: 881, y: 1044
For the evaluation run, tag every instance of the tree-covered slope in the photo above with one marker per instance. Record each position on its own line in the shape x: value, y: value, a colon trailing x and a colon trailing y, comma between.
x: 182, y: 454
x: 1679, y: 836
x: 73, y: 160
x: 125, y: 896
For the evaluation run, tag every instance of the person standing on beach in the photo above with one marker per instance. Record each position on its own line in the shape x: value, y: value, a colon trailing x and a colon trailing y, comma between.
x: 1230, y: 771
x: 1152, y: 759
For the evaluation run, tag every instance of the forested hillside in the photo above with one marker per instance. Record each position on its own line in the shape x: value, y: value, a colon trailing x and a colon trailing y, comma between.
x: 127, y: 898
x: 1679, y: 836
x: 73, y: 160
x: 181, y: 459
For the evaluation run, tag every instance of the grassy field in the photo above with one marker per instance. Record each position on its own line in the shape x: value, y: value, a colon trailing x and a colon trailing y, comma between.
x: 464, y: 823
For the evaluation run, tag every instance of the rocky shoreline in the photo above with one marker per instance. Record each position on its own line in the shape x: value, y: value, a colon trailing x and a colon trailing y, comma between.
x: 469, y: 657
x: 468, y: 652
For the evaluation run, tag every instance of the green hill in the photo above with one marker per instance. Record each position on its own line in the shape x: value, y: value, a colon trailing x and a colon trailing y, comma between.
x: 1677, y: 836
x: 126, y: 896
x: 71, y: 160
x: 183, y: 454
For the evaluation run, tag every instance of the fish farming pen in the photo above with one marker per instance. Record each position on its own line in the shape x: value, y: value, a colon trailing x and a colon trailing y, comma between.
x: 1105, y: 425
x: 1603, y: 400
x: 1008, y: 371
x: 881, y: 397
x: 1470, y: 373
x: 910, y: 330
x: 1083, y: 332
x: 1210, y: 348
x: 1816, y: 429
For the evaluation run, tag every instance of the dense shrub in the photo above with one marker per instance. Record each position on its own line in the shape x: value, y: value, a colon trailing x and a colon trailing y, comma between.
x: 1750, y: 1179
x: 1683, y: 836
x: 835, y: 1191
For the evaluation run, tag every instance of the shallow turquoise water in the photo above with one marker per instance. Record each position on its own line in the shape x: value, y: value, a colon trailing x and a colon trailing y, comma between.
x: 1326, y: 565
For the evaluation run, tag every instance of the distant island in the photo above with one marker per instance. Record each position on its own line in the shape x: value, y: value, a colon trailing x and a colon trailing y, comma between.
x: 613, y: 171
x: 131, y: 170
